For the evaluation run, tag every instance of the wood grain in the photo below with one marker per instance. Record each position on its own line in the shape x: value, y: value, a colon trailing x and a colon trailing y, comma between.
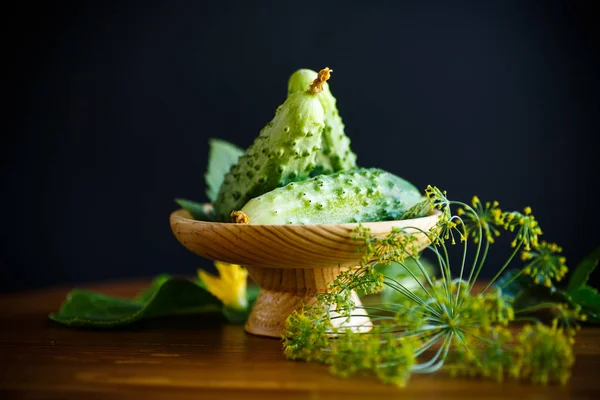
x: 281, y: 246
x: 291, y: 263
x: 197, y: 358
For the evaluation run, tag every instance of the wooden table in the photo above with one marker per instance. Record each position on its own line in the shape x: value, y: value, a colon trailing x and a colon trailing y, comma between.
x: 198, y: 358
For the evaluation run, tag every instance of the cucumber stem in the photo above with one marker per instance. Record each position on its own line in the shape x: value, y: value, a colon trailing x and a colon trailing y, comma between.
x: 317, y: 85
x: 240, y: 217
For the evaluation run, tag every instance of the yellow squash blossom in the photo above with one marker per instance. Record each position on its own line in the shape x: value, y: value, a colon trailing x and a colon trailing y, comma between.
x: 229, y: 286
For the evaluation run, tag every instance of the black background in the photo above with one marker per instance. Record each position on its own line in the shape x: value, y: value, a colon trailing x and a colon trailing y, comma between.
x: 108, y: 107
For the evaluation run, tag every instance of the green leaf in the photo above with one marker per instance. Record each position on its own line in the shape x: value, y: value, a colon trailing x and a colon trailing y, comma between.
x: 252, y: 293
x: 173, y: 296
x: 146, y: 294
x: 582, y: 272
x: 586, y: 297
x: 421, y: 209
x: 517, y: 283
x: 537, y: 294
x: 221, y: 157
x: 199, y: 211
x: 589, y: 300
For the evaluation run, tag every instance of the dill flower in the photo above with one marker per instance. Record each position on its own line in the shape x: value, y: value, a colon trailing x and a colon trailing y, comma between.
x: 544, y: 354
x: 229, y: 286
x: 499, y: 307
x: 352, y: 352
x: 395, y: 247
x: 467, y: 332
x: 485, y: 216
x: 495, y: 355
x: 527, y: 227
x: 544, y: 263
x: 391, y: 358
x: 567, y: 319
x: 305, y: 336
x: 461, y: 361
x: 474, y: 314
x: 410, y: 316
x: 489, y: 356
x: 438, y: 199
x: 446, y: 222
x: 395, y: 359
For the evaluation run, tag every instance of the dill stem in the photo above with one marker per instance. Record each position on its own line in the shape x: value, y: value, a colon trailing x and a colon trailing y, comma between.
x: 526, y: 319
x: 478, y: 251
x: 535, y: 307
x: 415, y: 277
x: 462, y: 265
x: 473, y: 279
x: 444, y: 265
x: 515, y: 276
x: 429, y: 343
x: 491, y: 282
x: 429, y: 366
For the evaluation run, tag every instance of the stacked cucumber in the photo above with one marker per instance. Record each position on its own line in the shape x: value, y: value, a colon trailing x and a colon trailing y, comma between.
x: 301, y: 170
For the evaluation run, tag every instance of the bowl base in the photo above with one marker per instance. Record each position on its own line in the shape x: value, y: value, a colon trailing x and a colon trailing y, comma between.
x: 271, y: 310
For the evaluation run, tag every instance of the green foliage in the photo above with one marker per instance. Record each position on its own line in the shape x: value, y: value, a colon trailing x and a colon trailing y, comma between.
x: 543, y: 294
x: 222, y: 155
x: 582, y: 272
x: 166, y: 296
x: 544, y: 354
x: 589, y: 299
x: 443, y: 323
x: 199, y: 211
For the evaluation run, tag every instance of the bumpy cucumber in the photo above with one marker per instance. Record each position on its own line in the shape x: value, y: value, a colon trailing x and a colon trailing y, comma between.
x: 360, y: 195
x: 335, y: 154
x: 285, y: 151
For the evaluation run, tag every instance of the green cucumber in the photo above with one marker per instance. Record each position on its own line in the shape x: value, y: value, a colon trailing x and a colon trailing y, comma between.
x: 360, y: 195
x: 335, y: 154
x: 284, y: 152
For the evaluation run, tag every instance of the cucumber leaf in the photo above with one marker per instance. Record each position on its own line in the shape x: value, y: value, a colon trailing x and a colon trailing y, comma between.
x: 589, y: 300
x: 199, y: 211
x: 526, y: 293
x: 517, y: 283
x: 582, y: 272
x: 166, y: 296
x: 222, y: 155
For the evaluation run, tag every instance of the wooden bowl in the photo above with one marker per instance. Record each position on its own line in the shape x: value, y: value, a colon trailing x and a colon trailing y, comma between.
x: 290, y: 263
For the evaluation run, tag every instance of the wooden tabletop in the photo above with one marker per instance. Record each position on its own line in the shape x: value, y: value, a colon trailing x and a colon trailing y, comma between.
x: 198, y: 358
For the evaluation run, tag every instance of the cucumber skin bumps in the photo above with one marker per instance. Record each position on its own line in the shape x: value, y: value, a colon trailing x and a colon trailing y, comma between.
x: 359, y: 195
x: 335, y: 154
x: 285, y: 150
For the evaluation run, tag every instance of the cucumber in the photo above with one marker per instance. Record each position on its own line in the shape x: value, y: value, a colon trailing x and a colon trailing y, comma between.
x: 335, y: 154
x: 360, y: 195
x: 284, y: 152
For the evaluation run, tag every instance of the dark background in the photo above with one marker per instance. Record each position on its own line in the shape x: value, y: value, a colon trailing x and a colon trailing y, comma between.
x: 108, y: 107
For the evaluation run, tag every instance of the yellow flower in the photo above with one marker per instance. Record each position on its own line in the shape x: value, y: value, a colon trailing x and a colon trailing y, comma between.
x: 544, y: 263
x: 485, y: 216
x: 543, y: 354
x: 229, y: 286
